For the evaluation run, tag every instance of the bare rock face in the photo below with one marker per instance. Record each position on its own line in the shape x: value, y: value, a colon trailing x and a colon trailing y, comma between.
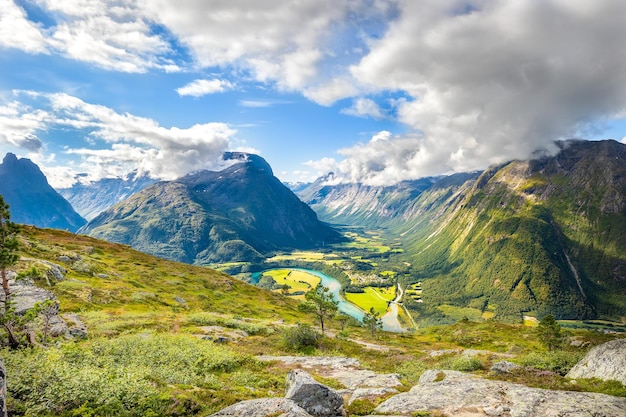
x: 607, y: 361
x: 503, y: 367
x: 370, y: 394
x: 317, y: 399
x: 25, y: 294
x: 458, y: 394
x: 76, y: 327
x: 264, y: 407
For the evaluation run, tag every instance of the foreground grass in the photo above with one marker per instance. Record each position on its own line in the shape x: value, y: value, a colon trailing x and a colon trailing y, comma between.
x: 146, y: 355
x: 134, y: 375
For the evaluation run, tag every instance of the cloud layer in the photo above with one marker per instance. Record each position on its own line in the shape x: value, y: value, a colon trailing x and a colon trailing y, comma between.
x: 481, y: 81
x: 113, y: 143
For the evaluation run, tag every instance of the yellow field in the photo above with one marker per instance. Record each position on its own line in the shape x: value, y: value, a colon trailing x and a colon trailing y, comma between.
x: 297, y: 280
x: 327, y: 258
x: 372, y: 297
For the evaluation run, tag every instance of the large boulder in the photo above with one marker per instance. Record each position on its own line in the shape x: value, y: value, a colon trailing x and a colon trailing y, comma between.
x: 24, y: 294
x: 607, y: 361
x: 264, y: 407
x: 459, y: 394
x: 317, y: 399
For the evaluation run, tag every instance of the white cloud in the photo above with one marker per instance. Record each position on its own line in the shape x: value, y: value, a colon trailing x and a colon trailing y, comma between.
x: 119, y: 142
x: 16, y: 31
x: 330, y: 91
x: 110, y: 34
x: 261, y: 103
x: 623, y: 140
x: 493, y: 83
x: 364, y: 107
x: 19, y: 126
x: 302, y: 46
x: 198, y: 88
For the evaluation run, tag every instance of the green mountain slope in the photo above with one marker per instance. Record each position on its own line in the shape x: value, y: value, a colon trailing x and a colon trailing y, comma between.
x: 239, y: 214
x: 537, y: 237
x: 113, y: 278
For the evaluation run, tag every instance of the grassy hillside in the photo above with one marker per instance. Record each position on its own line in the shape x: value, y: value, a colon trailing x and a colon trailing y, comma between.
x: 113, y: 278
x: 148, y: 351
x: 536, y: 237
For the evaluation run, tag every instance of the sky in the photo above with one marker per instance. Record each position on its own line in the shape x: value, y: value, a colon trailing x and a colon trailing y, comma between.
x: 376, y: 91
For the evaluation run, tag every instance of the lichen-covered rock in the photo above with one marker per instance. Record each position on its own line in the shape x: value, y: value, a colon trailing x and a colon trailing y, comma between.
x: 370, y: 393
x: 503, y: 367
x: 264, y: 407
x: 607, y: 361
x: 362, y: 378
x: 317, y: 399
x: 77, y: 328
x: 329, y: 362
x: 25, y: 294
x: 458, y: 394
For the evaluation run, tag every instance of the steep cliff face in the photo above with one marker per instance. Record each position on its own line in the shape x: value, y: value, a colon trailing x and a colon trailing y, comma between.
x: 238, y: 214
x: 31, y: 199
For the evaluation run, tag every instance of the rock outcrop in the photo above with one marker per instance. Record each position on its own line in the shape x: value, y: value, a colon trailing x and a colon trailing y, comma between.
x: 317, y: 399
x: 607, y: 361
x: 458, y: 394
x: 25, y: 294
x: 503, y: 367
x: 442, y: 392
x: 264, y: 407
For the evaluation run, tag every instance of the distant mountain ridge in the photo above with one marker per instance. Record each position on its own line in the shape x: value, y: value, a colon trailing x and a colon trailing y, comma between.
x: 237, y: 214
x: 31, y: 199
x: 91, y: 199
x: 541, y: 236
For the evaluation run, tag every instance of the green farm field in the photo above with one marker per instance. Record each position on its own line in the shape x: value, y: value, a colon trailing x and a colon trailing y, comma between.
x: 377, y: 298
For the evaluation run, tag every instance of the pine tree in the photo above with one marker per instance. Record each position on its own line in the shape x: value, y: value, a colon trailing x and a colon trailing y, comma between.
x: 8, y: 257
x: 549, y: 332
x: 321, y: 302
x: 372, y: 321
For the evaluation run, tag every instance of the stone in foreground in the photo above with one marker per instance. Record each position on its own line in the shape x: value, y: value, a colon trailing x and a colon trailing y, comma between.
x: 458, y: 394
x: 263, y: 407
x: 317, y: 399
x: 607, y: 361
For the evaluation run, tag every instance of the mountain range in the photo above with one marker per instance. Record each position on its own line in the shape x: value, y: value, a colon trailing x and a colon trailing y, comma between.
x: 525, y: 237
x: 92, y: 198
x: 530, y: 237
x: 241, y: 213
x: 31, y: 199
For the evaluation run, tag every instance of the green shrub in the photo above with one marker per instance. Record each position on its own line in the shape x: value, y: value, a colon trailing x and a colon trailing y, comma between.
x: 126, y: 376
x: 411, y: 371
x: 461, y: 363
x: 361, y: 407
x: 210, y: 319
x: 300, y: 337
x: 556, y: 361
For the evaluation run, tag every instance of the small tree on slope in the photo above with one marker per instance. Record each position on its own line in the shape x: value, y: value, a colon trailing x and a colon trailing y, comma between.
x: 549, y: 332
x: 321, y: 302
x: 372, y: 321
x: 8, y: 257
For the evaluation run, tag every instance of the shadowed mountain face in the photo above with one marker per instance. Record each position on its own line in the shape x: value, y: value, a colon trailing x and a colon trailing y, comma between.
x: 31, y: 199
x: 540, y: 236
x: 238, y: 214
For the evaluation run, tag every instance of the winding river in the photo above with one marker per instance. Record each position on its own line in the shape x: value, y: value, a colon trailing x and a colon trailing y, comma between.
x: 390, y: 319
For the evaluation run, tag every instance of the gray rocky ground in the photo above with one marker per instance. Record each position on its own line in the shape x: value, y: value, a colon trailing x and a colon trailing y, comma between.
x: 448, y: 393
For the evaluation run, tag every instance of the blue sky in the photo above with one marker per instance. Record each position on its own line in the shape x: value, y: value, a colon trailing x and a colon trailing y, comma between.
x: 377, y: 91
